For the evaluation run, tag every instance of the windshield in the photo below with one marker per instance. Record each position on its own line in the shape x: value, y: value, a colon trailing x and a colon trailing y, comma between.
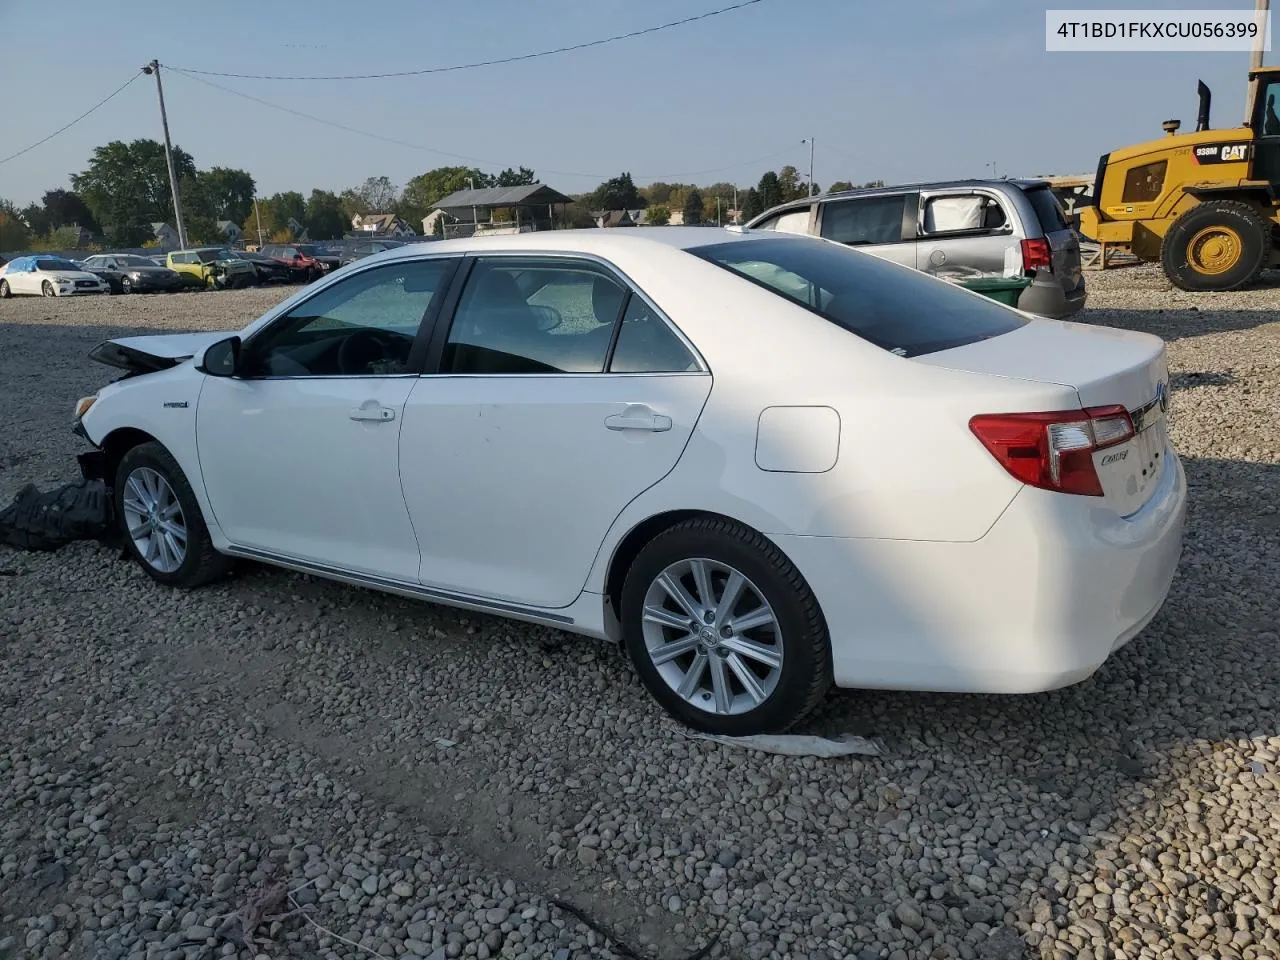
x: 55, y: 263
x: 894, y: 307
x: 135, y: 262
x: 208, y: 256
x: 311, y: 250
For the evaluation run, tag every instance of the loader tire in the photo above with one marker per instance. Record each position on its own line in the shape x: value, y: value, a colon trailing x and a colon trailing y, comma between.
x: 1216, y: 245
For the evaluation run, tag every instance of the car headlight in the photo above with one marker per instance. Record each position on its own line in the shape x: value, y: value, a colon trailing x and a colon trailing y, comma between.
x: 83, y: 405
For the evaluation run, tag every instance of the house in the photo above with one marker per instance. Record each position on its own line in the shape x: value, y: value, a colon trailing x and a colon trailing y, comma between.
x: 637, y: 217
x: 382, y: 225
x: 166, y: 235
x: 614, y: 218
x: 230, y: 230
x: 429, y: 222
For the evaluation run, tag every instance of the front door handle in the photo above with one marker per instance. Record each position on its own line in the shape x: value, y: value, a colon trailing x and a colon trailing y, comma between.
x: 638, y: 417
x: 373, y: 412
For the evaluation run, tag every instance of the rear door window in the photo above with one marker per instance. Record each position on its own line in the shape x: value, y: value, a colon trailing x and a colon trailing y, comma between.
x: 894, y: 307
x: 864, y: 220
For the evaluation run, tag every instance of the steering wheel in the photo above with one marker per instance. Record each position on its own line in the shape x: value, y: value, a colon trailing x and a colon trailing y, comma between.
x: 361, y: 349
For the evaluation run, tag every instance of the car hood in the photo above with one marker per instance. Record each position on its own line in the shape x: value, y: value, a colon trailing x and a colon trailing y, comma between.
x: 156, y: 352
x: 70, y: 275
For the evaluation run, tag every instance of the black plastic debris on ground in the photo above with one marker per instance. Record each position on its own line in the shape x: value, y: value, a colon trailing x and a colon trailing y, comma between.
x: 49, y: 520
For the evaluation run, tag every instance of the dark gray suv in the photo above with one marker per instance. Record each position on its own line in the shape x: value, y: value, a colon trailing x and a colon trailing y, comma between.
x: 958, y: 230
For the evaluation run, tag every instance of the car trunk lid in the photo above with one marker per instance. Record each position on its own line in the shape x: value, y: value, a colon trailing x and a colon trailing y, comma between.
x: 1106, y: 367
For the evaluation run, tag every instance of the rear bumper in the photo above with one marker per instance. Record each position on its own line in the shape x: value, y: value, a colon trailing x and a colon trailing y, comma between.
x: 1053, y: 589
x: 1047, y: 298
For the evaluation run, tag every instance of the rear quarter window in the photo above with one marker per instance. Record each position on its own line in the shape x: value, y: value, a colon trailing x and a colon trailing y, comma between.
x: 1048, y: 209
x: 894, y: 307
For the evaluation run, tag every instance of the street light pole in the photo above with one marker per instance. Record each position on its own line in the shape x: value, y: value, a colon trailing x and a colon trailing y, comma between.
x: 154, y: 68
x: 809, y: 141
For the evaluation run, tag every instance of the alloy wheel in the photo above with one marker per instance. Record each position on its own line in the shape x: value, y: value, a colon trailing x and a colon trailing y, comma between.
x: 47, y: 289
x: 126, y: 285
x: 155, y: 521
x: 712, y: 636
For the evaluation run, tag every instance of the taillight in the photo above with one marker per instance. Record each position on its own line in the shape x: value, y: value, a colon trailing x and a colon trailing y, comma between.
x: 1054, y: 451
x: 1037, y: 255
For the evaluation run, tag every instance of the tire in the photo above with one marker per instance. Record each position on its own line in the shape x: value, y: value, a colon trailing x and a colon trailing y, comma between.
x: 126, y: 285
x: 46, y: 288
x: 785, y: 692
x: 5, y: 293
x: 135, y: 486
x: 1217, y: 245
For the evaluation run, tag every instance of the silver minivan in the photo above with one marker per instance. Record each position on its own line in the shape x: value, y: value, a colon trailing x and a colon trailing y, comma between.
x: 958, y: 230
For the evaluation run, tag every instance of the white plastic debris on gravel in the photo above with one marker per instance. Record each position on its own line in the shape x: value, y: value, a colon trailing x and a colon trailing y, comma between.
x: 429, y: 782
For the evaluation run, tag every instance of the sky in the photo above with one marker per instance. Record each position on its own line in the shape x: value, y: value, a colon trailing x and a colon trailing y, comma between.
x: 898, y: 91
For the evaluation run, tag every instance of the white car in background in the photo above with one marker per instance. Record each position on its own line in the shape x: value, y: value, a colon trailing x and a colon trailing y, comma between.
x: 762, y: 463
x: 48, y: 276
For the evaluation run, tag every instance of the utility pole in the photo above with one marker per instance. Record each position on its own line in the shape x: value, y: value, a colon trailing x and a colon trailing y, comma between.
x: 258, y: 216
x: 1255, y: 61
x: 736, y: 209
x: 154, y: 68
x: 809, y: 141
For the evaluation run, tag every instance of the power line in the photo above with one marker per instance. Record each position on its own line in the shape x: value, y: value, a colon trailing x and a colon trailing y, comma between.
x: 481, y: 63
x: 14, y: 156
x: 445, y: 153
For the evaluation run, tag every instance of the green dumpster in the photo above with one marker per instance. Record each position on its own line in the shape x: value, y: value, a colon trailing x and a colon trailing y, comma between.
x: 1004, y: 290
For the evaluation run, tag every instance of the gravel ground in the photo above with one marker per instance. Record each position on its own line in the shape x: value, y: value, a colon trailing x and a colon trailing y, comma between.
x: 433, y: 781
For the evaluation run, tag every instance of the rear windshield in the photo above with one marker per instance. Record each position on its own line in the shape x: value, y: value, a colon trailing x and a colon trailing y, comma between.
x: 894, y: 307
x: 1047, y: 209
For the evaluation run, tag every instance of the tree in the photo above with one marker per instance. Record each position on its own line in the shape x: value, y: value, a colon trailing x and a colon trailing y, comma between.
x: 126, y: 187
x: 324, y: 219
x: 512, y: 178
x: 67, y: 209
x: 619, y: 193
x: 14, y: 234
x: 840, y: 185
x: 693, y: 208
x: 752, y: 205
x: 228, y: 193
x: 379, y: 194
x: 36, y: 218
x: 423, y: 192
x: 789, y: 184
x: 658, y: 192
x: 770, y: 190
x: 276, y: 211
x: 658, y: 215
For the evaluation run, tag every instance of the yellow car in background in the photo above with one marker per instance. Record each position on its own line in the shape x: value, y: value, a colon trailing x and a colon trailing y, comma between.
x: 211, y: 267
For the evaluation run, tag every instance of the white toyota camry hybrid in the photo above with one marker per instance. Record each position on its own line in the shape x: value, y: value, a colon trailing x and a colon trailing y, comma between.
x: 762, y: 463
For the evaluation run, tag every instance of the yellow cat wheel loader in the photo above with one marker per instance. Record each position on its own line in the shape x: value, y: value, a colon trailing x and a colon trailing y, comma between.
x: 1205, y: 205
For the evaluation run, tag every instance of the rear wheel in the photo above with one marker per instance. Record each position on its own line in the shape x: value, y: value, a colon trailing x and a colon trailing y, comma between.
x: 1218, y: 245
x: 5, y: 293
x: 724, y: 631
x: 161, y: 520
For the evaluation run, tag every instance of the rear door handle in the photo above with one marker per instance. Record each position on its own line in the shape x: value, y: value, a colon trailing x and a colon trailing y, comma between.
x: 638, y: 417
x: 374, y: 412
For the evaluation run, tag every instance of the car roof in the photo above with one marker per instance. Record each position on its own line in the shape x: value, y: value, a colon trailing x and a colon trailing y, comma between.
x: 585, y: 240
x: 994, y: 184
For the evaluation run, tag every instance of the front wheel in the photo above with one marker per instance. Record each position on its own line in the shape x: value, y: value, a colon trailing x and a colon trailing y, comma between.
x: 724, y: 631
x: 47, y: 289
x: 126, y: 285
x: 1216, y: 245
x: 161, y: 520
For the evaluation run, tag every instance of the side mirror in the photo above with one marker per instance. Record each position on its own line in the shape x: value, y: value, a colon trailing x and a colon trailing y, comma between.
x: 222, y: 359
